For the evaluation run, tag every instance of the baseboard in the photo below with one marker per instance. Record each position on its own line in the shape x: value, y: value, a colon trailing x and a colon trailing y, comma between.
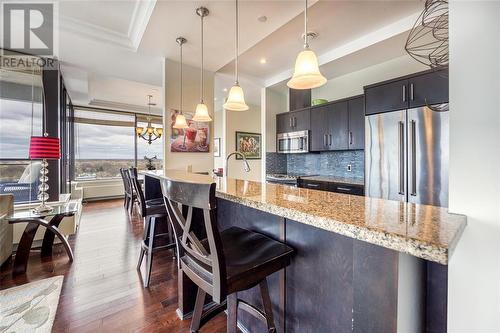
x: 94, y: 199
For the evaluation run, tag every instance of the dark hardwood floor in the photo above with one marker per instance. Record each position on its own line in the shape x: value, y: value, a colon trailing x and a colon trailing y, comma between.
x: 102, y: 290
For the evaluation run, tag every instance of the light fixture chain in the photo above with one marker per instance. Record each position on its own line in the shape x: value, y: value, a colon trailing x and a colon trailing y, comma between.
x: 181, y: 80
x: 306, y: 44
x: 201, y: 86
x: 237, y: 44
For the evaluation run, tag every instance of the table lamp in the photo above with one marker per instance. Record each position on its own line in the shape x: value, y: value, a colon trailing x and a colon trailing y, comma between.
x: 44, y: 148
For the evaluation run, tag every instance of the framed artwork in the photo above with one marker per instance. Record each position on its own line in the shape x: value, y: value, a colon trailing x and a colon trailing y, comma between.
x: 194, y: 139
x: 249, y: 144
x: 217, y: 147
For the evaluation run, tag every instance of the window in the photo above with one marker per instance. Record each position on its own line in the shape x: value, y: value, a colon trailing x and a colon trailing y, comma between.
x: 105, y: 141
x: 20, y: 117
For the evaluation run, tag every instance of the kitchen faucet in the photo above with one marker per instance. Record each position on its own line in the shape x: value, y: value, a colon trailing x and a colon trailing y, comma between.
x: 246, y: 165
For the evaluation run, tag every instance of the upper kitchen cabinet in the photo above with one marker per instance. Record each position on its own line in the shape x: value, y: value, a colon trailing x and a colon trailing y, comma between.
x: 293, y: 121
x: 329, y: 127
x: 356, y: 107
x: 428, y: 89
x: 299, y: 99
x: 386, y: 97
x: 425, y: 88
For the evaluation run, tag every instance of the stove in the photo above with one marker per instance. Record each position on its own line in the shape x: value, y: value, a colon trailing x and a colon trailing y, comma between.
x: 284, y: 179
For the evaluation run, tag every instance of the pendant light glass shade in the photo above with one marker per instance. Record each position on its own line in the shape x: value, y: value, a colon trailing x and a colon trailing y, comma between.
x: 306, y: 74
x: 180, y: 122
x: 236, y: 100
x: 201, y: 113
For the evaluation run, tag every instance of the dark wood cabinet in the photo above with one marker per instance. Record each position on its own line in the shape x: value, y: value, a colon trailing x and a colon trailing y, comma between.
x: 293, y: 121
x: 428, y: 89
x: 314, y: 185
x: 319, y: 128
x: 386, y: 97
x: 338, y: 126
x: 299, y: 99
x: 416, y: 90
x: 353, y: 189
x: 356, y: 107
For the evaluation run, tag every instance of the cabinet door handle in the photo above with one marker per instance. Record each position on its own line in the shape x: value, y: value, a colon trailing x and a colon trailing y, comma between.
x: 330, y: 136
x: 325, y: 140
x: 312, y: 185
x: 404, y: 92
x: 411, y: 92
x: 291, y: 121
x: 350, y: 138
x: 294, y: 122
x: 344, y: 189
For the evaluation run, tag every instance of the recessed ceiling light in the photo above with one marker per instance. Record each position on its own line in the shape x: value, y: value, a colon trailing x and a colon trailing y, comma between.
x: 262, y: 18
x: 263, y: 60
x: 215, y: 98
x: 224, y: 90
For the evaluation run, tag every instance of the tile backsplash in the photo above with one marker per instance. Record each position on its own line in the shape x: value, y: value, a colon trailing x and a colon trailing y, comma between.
x: 332, y: 163
x: 276, y: 163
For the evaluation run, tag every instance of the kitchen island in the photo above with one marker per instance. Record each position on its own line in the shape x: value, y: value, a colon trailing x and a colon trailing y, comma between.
x: 361, y: 264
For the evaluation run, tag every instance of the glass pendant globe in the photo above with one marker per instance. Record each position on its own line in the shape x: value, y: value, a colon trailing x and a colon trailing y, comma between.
x: 306, y: 74
x: 180, y: 122
x: 236, y: 99
x: 201, y: 113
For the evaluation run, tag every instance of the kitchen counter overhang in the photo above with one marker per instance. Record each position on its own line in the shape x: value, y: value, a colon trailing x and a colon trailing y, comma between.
x: 426, y: 232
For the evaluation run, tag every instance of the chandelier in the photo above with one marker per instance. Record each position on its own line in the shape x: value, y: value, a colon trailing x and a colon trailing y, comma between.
x: 149, y: 133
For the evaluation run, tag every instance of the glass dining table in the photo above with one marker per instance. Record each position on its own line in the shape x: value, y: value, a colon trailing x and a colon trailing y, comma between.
x: 33, y: 222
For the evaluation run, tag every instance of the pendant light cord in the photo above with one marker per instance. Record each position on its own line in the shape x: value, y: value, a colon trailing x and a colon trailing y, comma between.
x: 237, y: 45
x: 201, y: 86
x: 306, y: 44
x: 181, y: 81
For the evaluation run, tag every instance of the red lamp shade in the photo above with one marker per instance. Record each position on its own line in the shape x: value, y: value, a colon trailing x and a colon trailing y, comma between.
x: 42, y: 147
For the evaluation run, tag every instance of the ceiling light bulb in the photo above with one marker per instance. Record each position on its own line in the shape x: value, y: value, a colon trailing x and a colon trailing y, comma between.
x: 236, y: 99
x: 224, y: 90
x: 263, y: 60
x: 180, y: 122
x: 201, y: 113
x: 306, y: 74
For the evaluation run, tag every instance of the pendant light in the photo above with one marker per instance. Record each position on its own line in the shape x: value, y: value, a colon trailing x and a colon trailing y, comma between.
x: 201, y: 113
x: 306, y: 74
x: 236, y: 99
x: 180, y: 120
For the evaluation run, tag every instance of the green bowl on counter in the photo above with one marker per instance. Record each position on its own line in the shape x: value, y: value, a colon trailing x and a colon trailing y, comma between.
x: 319, y: 101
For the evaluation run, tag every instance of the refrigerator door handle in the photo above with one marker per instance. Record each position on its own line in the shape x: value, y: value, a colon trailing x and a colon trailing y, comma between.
x: 413, y: 147
x: 401, y: 161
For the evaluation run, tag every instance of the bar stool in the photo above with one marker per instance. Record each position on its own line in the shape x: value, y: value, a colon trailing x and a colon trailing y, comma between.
x: 223, y: 263
x: 156, y: 226
x: 130, y: 195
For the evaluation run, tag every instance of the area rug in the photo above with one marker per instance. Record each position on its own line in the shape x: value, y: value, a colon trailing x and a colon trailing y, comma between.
x: 31, y: 307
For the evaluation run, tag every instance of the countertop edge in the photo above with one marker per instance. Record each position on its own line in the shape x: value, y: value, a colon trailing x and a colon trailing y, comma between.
x: 384, y: 239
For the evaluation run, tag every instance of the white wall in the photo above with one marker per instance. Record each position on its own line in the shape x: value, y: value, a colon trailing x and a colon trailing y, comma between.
x: 352, y: 84
x: 474, y: 271
x: 219, y: 133
x: 275, y: 103
x: 191, y: 97
x: 246, y: 121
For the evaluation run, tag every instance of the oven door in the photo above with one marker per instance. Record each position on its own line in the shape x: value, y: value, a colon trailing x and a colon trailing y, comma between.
x: 294, y: 142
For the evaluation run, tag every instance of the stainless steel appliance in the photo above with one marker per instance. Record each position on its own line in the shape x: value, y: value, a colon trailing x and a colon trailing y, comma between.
x: 293, y: 142
x: 406, y: 156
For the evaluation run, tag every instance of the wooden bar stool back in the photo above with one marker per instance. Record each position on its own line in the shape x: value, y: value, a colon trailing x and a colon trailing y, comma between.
x: 222, y: 263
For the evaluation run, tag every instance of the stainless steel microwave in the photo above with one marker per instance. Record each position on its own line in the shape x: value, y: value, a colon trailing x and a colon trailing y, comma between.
x: 293, y: 142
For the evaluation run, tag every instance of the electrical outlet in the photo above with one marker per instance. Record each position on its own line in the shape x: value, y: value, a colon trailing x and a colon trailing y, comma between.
x: 349, y: 167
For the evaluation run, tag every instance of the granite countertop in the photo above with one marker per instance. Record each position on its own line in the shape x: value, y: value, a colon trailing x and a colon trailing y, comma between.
x: 427, y: 232
x: 337, y: 180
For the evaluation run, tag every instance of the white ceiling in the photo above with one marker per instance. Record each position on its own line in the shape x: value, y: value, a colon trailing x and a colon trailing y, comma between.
x: 123, y: 41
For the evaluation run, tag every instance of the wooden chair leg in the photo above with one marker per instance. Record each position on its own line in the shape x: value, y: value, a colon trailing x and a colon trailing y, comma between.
x: 232, y: 313
x: 268, y: 307
x: 149, y: 260
x: 198, y: 310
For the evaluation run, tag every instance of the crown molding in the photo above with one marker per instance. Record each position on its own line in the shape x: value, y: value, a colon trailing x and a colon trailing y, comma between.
x: 124, y: 106
x: 143, y: 9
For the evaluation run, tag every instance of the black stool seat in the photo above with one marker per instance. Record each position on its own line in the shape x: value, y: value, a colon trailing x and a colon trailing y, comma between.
x: 249, y: 256
x: 155, y: 202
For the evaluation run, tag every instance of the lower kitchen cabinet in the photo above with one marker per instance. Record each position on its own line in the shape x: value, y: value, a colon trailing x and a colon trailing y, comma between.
x: 332, y: 187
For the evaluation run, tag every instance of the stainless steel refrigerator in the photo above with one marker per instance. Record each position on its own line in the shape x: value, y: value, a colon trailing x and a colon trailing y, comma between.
x: 406, y: 156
